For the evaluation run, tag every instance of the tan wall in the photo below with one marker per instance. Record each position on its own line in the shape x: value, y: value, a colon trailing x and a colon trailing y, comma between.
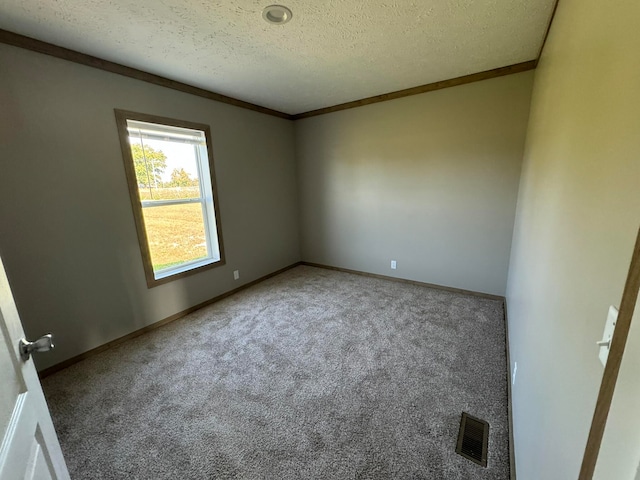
x: 68, y: 236
x: 578, y: 213
x: 429, y: 181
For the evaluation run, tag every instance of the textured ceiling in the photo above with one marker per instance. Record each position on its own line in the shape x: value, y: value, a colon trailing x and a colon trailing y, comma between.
x: 331, y: 52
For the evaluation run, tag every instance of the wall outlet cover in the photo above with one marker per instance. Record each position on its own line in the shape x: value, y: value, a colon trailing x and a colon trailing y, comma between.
x: 394, y: 265
x: 236, y: 274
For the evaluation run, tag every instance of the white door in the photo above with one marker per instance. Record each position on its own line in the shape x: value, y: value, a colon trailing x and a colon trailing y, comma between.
x: 30, y: 448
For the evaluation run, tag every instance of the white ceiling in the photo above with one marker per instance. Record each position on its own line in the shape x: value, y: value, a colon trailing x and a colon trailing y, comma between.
x: 331, y: 52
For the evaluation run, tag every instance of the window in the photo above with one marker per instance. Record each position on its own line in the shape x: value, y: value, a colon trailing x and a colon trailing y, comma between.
x: 171, y: 179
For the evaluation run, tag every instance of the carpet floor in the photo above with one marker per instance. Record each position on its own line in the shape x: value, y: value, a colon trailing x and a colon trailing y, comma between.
x: 312, y: 374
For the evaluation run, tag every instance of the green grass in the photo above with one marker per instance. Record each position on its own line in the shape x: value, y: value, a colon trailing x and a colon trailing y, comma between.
x: 169, y: 193
x: 175, y: 233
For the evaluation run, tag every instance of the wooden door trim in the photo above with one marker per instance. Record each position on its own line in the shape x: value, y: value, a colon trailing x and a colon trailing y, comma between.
x: 612, y: 368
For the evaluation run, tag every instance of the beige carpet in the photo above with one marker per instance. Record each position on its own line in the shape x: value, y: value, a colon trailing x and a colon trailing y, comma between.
x: 313, y: 374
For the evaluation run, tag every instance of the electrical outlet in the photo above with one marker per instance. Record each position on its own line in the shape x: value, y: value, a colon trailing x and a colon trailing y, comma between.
x: 515, y: 370
x: 236, y: 274
x: 394, y: 265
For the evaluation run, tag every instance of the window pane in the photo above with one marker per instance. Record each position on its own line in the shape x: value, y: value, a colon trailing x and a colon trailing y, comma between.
x: 165, y: 169
x: 171, y: 180
x: 176, y: 234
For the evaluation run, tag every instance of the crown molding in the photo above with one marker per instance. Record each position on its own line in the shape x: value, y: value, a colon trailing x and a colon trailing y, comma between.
x: 39, y: 46
x: 429, y: 87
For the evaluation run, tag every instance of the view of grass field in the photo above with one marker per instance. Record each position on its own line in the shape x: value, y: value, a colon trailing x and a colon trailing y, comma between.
x: 168, y: 193
x: 175, y: 232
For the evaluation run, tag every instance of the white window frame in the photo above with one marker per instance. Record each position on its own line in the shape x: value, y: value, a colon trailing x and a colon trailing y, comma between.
x: 132, y: 124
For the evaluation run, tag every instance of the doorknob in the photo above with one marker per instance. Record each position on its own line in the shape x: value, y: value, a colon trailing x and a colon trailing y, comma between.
x: 43, y: 344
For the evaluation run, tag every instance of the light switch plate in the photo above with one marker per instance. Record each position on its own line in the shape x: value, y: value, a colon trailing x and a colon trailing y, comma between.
x: 612, y: 318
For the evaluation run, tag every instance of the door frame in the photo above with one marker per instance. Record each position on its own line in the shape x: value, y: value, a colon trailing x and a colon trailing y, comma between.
x: 612, y: 368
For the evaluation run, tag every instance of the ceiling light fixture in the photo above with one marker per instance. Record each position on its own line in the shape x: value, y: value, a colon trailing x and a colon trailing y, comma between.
x: 277, y: 14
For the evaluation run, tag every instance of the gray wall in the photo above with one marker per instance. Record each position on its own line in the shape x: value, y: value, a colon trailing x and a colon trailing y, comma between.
x: 577, y: 218
x: 68, y: 236
x: 430, y: 181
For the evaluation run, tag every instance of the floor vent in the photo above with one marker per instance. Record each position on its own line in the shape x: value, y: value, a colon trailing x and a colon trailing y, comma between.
x: 473, y: 439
